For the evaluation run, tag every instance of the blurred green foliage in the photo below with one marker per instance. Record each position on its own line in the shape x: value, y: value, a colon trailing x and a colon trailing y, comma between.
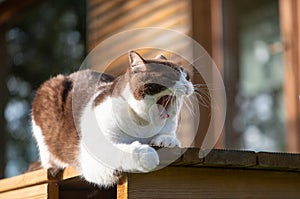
x: 48, y: 40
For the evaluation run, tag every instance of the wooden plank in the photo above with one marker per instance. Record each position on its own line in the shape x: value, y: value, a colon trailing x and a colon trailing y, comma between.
x: 69, y: 172
x: 191, y: 157
x: 76, y: 187
x: 191, y: 182
x: 135, y: 14
x: 38, y: 191
x: 35, y: 177
x: 52, y: 190
x: 217, y: 157
x: 122, y: 188
x: 229, y: 158
x: 279, y: 160
x: 24, y: 180
x: 169, y: 156
x: 90, y: 194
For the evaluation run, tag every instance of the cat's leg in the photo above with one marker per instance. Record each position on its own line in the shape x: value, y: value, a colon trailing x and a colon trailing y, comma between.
x: 134, y: 157
x: 165, y: 140
x: 137, y: 157
x: 95, y: 171
x: 48, y: 161
x: 167, y: 137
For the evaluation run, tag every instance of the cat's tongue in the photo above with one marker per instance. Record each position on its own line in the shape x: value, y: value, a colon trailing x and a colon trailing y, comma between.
x: 163, y: 112
x: 162, y: 104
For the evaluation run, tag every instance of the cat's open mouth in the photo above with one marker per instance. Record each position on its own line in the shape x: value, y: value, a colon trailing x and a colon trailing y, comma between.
x: 163, y: 103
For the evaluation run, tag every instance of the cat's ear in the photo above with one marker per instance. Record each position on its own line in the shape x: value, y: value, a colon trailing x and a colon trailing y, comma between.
x: 161, y: 57
x: 135, y: 59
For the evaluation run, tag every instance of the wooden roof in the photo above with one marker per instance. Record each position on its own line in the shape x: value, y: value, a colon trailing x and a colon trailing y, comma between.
x: 236, y: 174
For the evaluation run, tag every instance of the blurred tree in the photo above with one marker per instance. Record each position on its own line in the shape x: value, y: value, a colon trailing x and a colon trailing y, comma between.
x: 47, y: 41
x: 3, y: 100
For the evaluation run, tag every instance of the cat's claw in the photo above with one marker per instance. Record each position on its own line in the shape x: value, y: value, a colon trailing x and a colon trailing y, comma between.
x: 146, y: 157
x: 165, y: 141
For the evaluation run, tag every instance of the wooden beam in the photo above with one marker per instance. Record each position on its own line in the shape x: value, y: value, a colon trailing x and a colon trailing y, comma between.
x: 207, y: 29
x: 290, y: 31
x: 231, y: 70
x: 220, y: 174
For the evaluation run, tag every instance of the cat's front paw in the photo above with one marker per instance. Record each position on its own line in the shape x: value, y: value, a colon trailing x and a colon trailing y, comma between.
x: 145, y: 156
x: 165, y: 141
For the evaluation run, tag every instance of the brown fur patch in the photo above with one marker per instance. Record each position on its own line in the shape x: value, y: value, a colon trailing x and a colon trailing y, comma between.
x: 53, y: 113
x: 58, y: 104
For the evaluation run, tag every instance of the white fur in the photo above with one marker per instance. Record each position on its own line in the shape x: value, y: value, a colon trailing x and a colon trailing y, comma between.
x: 43, y: 149
x: 47, y: 159
x: 127, y: 155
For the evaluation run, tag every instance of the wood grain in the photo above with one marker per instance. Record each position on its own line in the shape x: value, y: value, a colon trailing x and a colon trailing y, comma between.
x: 229, y: 158
x: 69, y: 172
x: 122, y: 188
x: 38, y: 191
x: 287, y: 161
x: 189, y: 182
x: 24, y: 180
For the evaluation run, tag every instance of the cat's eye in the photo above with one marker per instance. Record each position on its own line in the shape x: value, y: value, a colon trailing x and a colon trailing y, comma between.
x: 187, y: 76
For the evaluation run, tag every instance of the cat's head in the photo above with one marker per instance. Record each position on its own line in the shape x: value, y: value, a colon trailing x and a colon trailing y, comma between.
x: 157, y: 82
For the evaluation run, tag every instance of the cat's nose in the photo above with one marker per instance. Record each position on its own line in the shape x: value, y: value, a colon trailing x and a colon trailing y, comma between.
x: 186, y: 89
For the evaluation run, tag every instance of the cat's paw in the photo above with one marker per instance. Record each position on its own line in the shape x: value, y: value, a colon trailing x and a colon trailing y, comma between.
x: 165, y: 141
x: 155, y: 116
x: 145, y: 157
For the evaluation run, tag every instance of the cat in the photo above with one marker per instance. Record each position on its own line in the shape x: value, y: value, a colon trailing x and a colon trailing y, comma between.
x: 134, y: 111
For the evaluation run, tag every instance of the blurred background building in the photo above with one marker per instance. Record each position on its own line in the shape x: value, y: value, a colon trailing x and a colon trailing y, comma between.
x: 255, y: 44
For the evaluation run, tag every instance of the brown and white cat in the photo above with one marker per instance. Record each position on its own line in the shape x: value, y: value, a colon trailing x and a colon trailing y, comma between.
x: 135, y: 111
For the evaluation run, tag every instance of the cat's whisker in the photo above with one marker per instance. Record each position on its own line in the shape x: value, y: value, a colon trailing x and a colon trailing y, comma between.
x: 203, y: 100
x: 175, y: 101
x: 206, y: 87
x: 188, y: 105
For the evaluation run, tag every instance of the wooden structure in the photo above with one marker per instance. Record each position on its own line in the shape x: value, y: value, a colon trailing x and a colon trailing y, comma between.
x: 290, y: 30
x: 221, y: 174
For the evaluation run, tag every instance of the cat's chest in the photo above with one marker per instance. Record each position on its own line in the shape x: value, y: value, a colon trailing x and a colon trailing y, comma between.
x: 118, y: 123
